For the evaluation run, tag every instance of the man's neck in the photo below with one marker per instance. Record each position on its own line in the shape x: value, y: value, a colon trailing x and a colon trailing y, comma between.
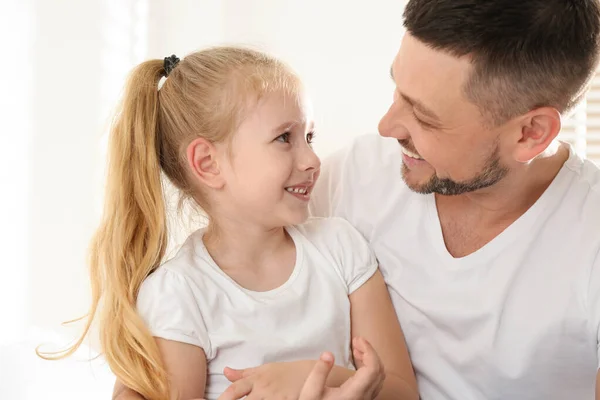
x: 471, y: 220
x: 518, y: 191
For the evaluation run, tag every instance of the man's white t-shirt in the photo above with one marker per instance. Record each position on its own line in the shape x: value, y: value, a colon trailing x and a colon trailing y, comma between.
x: 519, y: 318
x: 190, y: 299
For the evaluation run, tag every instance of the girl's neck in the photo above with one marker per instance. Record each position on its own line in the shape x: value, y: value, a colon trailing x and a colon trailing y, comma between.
x: 236, y: 245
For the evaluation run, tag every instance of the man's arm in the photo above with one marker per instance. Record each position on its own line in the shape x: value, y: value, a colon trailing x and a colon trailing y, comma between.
x: 598, y: 386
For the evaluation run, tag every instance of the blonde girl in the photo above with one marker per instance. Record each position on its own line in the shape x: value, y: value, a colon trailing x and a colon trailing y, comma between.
x: 248, y: 303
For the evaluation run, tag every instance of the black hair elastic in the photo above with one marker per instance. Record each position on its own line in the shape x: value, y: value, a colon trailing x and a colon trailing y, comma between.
x: 169, y: 64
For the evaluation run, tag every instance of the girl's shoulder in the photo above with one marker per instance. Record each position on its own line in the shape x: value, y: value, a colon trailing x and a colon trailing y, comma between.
x: 189, y: 263
x: 344, y: 246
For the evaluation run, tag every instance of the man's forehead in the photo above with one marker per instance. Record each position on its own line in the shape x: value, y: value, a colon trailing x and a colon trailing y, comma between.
x: 431, y: 76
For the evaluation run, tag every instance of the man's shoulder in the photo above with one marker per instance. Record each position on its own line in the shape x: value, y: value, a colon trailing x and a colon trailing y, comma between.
x: 590, y: 175
x: 585, y: 183
x: 579, y: 205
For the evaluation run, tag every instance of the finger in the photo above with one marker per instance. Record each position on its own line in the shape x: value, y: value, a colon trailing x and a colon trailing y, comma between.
x: 315, y: 382
x: 237, y: 390
x: 358, y: 355
x: 369, y: 375
x: 234, y: 375
x: 359, y: 386
x: 366, y: 353
x: 358, y: 349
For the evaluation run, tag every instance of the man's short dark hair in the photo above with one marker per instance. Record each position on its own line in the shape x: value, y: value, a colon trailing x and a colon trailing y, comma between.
x: 525, y: 53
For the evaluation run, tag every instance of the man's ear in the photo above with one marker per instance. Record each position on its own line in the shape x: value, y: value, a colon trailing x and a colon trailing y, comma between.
x: 538, y: 128
x: 203, y: 163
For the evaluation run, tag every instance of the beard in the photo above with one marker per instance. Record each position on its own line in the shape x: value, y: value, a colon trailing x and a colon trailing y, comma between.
x: 492, y: 172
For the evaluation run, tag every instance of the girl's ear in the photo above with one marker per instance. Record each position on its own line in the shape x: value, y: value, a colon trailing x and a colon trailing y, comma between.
x: 203, y: 162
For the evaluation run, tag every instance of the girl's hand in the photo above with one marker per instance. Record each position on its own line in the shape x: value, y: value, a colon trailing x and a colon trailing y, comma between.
x: 306, y: 380
x: 270, y: 381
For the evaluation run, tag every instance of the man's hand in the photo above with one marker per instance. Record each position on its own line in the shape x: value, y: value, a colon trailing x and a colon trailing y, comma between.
x: 314, y: 387
x: 365, y: 384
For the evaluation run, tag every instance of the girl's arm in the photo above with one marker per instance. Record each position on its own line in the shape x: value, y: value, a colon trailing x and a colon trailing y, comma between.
x: 186, y: 366
x: 122, y: 392
x: 373, y: 317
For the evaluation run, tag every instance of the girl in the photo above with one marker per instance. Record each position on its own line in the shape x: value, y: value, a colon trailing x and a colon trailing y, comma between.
x: 231, y: 129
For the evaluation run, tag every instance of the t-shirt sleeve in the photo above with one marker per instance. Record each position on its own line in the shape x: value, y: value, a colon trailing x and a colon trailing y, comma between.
x: 167, y: 305
x: 593, y: 303
x: 355, y: 259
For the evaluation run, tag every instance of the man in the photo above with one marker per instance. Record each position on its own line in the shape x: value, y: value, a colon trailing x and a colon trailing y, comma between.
x: 490, y: 242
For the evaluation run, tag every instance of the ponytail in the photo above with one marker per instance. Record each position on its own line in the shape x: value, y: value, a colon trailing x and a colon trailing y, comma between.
x: 131, y: 240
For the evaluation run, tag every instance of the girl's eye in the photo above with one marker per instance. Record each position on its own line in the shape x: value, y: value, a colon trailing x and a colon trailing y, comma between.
x: 310, y: 137
x: 283, y: 138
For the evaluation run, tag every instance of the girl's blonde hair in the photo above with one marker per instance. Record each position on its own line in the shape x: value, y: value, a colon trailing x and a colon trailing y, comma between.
x: 206, y: 95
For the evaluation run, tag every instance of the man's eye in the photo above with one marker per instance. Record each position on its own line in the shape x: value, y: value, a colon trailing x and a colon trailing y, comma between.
x: 422, y: 123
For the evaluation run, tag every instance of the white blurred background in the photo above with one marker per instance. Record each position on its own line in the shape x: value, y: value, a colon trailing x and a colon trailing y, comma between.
x: 62, y: 66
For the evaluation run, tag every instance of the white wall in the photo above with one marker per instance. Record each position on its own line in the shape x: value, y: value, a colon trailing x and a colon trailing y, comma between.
x: 15, y: 155
x: 182, y: 26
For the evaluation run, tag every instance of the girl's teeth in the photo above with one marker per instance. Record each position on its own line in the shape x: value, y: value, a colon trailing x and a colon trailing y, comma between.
x: 296, y: 190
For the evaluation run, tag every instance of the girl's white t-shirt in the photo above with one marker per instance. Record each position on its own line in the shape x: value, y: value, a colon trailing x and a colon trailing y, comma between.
x: 517, y: 319
x: 190, y: 299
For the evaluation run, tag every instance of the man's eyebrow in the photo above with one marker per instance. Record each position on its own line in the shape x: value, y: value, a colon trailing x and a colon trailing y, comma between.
x: 421, y: 107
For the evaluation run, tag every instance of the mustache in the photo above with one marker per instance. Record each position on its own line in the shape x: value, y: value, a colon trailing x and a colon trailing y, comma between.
x: 408, y: 146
